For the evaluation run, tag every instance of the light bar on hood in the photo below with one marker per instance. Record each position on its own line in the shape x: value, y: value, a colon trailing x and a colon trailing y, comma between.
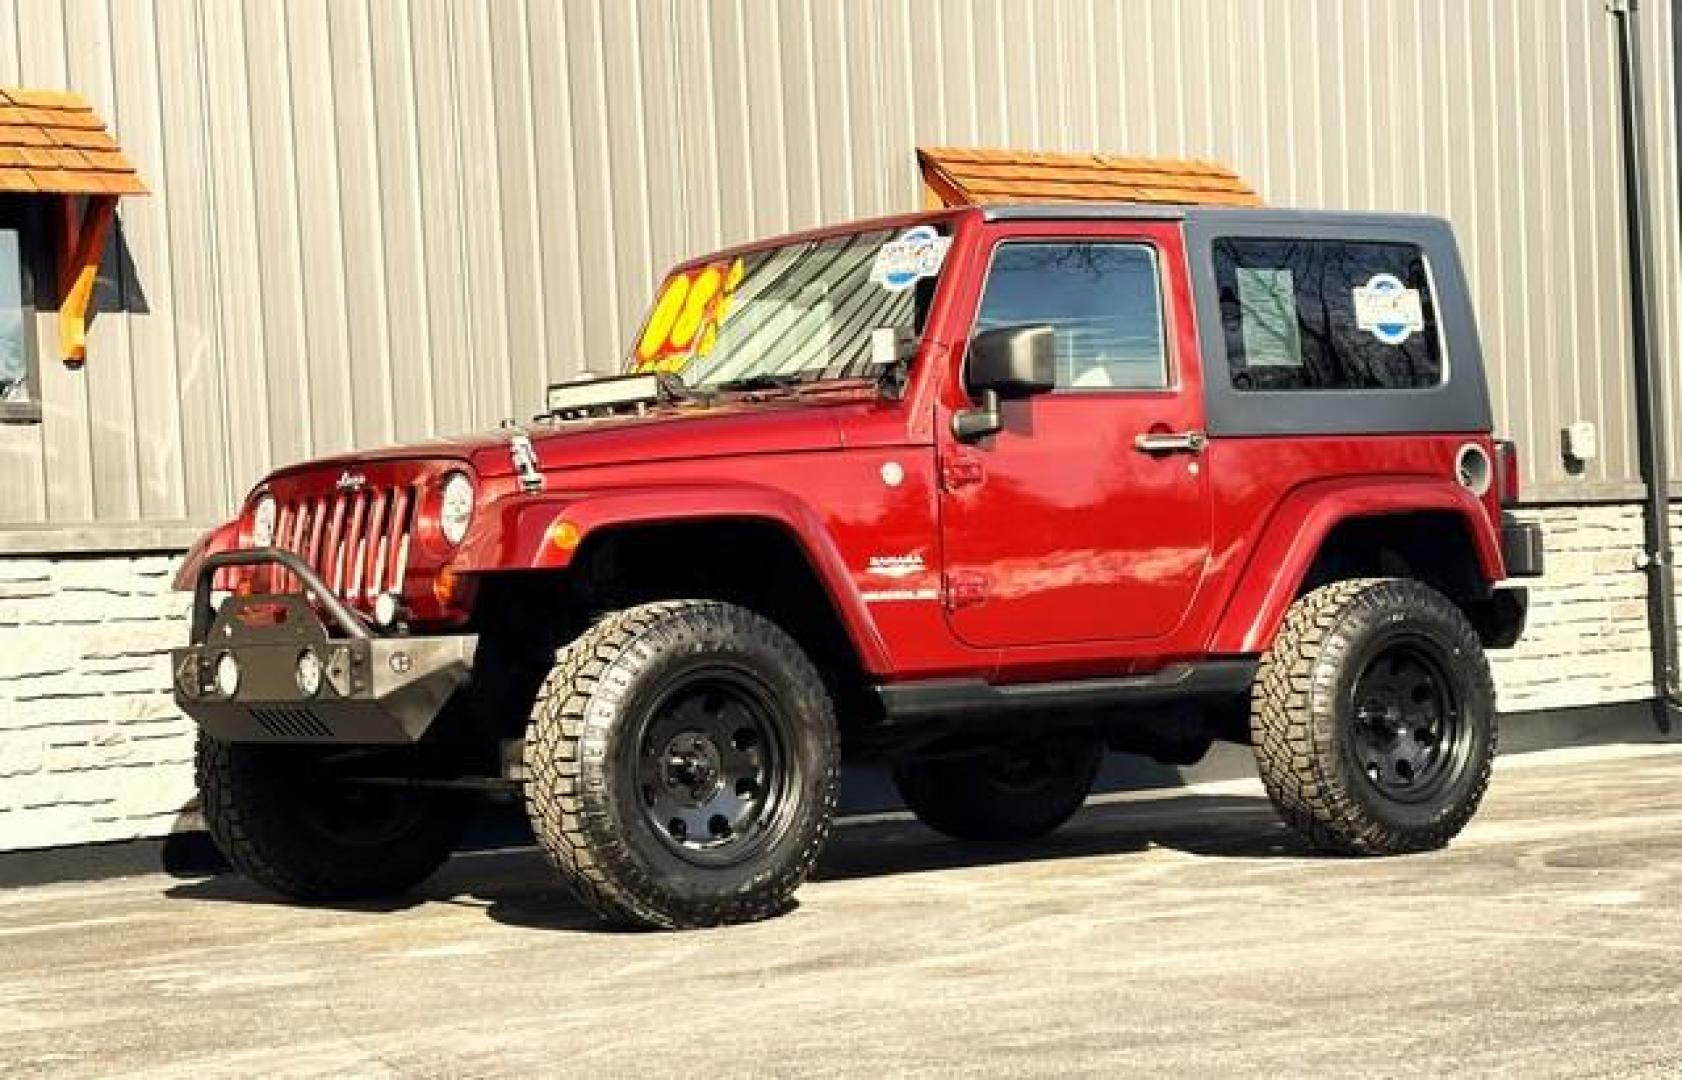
x: 615, y: 392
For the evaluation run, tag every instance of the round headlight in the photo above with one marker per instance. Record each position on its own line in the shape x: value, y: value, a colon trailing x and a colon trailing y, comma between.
x: 308, y: 673
x: 263, y: 522
x: 456, y: 512
x: 227, y: 675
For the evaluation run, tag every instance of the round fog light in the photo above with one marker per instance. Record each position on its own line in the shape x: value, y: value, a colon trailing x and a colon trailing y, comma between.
x: 308, y: 673
x: 227, y: 675
x: 387, y: 606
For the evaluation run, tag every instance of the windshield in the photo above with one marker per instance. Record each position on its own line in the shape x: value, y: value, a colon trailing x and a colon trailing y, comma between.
x: 799, y: 312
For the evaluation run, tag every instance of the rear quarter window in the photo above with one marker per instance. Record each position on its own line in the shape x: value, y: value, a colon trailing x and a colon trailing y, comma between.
x: 1327, y: 315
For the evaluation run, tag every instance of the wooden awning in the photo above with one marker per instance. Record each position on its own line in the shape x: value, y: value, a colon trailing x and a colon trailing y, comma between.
x: 960, y: 176
x: 52, y: 143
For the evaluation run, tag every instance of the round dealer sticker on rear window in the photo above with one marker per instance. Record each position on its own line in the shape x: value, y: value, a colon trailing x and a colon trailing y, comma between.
x: 1387, y: 309
x: 916, y: 253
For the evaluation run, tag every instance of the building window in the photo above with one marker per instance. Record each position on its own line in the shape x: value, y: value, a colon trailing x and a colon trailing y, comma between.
x: 22, y: 229
x: 1102, y: 299
x: 1327, y: 315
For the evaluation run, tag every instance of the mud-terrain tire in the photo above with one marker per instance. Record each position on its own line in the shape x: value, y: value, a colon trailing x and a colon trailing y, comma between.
x: 1015, y: 792
x: 315, y: 842
x: 682, y: 766
x: 1373, y: 718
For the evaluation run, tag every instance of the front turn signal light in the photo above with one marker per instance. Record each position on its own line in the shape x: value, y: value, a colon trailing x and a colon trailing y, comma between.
x: 564, y: 535
x: 444, y: 587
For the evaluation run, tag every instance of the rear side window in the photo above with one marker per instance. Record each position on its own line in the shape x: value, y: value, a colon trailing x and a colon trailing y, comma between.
x: 1327, y: 315
x: 1102, y: 299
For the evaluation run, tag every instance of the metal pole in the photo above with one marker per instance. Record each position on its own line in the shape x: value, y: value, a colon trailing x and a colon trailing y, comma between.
x: 1651, y: 428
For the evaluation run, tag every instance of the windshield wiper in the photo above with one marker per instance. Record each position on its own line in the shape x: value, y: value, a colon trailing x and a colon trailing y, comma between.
x: 674, y: 390
x: 762, y: 381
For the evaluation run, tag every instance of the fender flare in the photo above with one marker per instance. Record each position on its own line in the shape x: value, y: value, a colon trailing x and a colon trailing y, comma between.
x: 1280, y: 559
x: 224, y: 537
x: 516, y: 533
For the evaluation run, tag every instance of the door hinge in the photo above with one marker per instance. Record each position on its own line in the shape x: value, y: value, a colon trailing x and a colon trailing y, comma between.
x: 965, y: 588
x: 957, y: 473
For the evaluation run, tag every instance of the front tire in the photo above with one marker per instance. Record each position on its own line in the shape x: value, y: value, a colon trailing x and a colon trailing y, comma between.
x: 1012, y: 792
x: 682, y: 766
x: 287, y: 827
x: 1373, y: 718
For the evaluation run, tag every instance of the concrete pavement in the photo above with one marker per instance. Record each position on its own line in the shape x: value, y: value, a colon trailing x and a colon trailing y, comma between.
x: 1184, y: 933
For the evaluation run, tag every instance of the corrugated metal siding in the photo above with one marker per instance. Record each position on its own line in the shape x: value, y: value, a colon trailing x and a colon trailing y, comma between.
x: 382, y: 221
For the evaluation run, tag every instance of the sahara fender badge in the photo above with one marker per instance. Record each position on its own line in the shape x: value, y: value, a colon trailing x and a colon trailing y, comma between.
x: 1388, y: 310
x: 525, y: 461
x: 916, y: 253
x: 897, y: 569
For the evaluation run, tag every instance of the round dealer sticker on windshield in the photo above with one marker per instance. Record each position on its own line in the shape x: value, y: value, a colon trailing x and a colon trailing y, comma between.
x: 916, y: 253
x: 1387, y: 309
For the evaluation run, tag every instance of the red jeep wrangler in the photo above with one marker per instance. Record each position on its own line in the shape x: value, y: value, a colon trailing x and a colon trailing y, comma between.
x: 979, y: 493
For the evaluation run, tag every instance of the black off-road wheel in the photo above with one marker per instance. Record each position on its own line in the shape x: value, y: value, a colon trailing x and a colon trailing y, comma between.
x: 286, y: 824
x: 1011, y: 792
x: 682, y: 766
x: 1373, y: 718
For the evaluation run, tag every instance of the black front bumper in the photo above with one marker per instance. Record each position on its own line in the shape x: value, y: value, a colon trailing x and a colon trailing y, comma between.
x: 372, y: 689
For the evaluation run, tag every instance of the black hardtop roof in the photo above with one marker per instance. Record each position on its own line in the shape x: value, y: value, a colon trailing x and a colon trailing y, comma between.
x: 1223, y: 216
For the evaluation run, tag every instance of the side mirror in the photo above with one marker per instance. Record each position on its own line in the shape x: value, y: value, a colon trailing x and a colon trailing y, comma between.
x: 1010, y: 362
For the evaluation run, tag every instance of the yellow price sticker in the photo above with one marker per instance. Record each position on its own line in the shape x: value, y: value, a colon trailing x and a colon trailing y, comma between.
x: 687, y: 315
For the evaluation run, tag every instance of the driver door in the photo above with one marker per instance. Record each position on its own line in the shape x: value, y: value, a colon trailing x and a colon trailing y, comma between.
x: 1087, y: 517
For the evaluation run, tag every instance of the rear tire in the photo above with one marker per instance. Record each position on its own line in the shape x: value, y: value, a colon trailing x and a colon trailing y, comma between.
x: 279, y: 825
x: 1014, y: 792
x: 682, y: 766
x: 1373, y: 718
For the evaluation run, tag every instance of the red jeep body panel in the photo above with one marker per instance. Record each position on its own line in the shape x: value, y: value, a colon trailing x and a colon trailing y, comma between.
x: 1056, y: 551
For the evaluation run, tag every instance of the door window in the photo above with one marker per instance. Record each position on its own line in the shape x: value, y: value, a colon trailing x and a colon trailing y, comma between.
x: 1104, y: 301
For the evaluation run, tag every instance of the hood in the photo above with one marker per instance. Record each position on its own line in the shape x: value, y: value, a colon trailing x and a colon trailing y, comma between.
x: 665, y: 433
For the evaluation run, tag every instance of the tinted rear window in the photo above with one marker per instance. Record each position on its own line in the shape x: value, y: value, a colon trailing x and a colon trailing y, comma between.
x: 1327, y: 315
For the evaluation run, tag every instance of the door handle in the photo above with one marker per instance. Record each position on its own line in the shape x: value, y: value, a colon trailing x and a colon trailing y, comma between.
x: 1171, y: 442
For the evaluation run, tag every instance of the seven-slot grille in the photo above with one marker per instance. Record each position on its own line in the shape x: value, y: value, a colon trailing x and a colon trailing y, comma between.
x: 358, y: 541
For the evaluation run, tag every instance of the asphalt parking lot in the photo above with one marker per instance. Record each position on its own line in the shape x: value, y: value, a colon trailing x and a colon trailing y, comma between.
x: 1181, y: 933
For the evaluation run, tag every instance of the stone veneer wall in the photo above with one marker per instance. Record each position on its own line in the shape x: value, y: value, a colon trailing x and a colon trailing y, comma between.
x: 1586, y: 640
x: 91, y: 745
x: 92, y: 749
